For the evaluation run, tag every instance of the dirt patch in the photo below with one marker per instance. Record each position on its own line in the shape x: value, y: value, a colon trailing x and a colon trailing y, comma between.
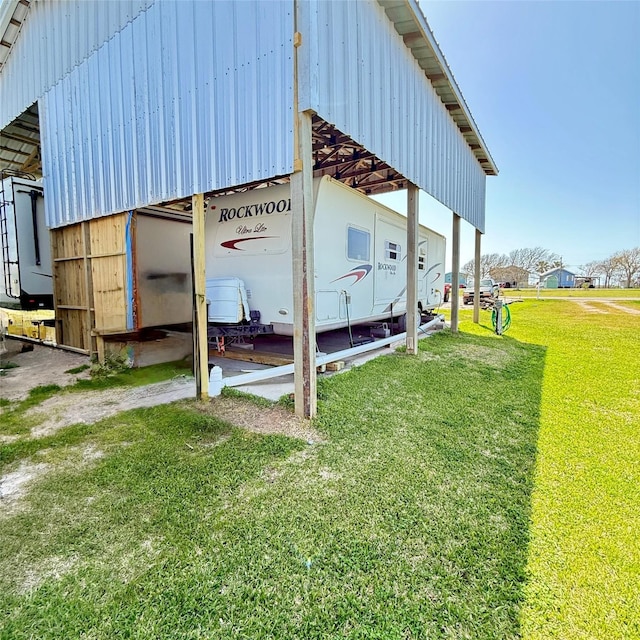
x: 45, y: 365
x: 620, y: 307
x: 49, y: 568
x: 587, y: 308
x: 266, y: 420
x: 86, y: 408
x: 14, y: 485
x: 37, y: 367
x: 605, y: 306
x: 89, y: 407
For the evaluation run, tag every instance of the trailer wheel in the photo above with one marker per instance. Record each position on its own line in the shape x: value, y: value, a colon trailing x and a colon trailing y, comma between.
x: 402, y: 321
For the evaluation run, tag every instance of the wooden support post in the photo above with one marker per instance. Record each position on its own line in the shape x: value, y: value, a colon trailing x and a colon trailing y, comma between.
x: 199, y: 288
x: 302, y: 207
x: 412, y: 269
x: 304, y: 326
x: 55, y: 282
x: 455, y: 273
x: 90, y: 340
x: 476, y: 278
x: 100, y: 349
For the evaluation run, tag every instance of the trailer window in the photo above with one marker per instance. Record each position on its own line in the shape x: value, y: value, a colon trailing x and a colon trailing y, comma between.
x: 421, y: 254
x: 357, y: 244
x: 392, y: 250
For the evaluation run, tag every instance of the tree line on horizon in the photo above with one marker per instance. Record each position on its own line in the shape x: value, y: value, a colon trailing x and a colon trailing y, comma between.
x: 621, y: 268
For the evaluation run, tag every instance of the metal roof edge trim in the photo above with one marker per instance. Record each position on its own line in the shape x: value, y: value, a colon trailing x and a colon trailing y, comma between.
x: 423, y: 25
x: 7, y: 8
x: 7, y: 14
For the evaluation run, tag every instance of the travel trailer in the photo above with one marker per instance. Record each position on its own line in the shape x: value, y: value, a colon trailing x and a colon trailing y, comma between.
x: 360, y: 259
x: 26, y: 250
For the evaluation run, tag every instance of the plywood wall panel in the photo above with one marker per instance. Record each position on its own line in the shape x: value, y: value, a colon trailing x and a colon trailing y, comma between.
x: 109, y: 293
x: 67, y: 242
x: 71, y: 287
x: 108, y: 235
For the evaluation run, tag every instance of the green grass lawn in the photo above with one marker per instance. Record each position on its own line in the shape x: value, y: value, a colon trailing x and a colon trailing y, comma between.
x: 487, y: 488
x: 584, y: 561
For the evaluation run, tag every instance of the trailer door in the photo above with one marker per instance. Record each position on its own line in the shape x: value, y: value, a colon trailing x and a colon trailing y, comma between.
x: 389, y: 266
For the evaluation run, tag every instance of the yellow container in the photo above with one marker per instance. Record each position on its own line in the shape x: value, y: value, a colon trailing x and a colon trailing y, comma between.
x: 28, y: 324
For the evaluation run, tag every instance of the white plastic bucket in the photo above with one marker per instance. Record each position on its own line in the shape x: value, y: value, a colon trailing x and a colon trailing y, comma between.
x: 215, y: 382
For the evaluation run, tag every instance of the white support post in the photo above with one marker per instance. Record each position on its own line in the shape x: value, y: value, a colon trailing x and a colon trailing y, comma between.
x: 412, y: 270
x: 201, y: 357
x: 476, y: 279
x: 455, y: 273
x: 304, y: 326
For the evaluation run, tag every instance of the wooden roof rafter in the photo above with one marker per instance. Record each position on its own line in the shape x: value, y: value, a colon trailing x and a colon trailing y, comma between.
x: 20, y: 143
x: 339, y: 156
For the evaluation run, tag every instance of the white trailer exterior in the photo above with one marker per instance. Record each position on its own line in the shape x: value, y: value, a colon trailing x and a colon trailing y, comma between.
x: 26, y: 248
x: 360, y: 255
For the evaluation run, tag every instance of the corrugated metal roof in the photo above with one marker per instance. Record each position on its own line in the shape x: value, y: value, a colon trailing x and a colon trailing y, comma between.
x: 410, y: 23
x: 363, y: 79
x: 154, y: 116
x: 60, y: 35
x: 137, y: 113
x: 12, y: 16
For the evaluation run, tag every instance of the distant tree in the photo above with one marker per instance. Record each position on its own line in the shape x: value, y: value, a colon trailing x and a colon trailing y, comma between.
x: 609, y: 268
x: 531, y: 258
x: 557, y: 263
x: 628, y: 262
x: 593, y: 268
x: 543, y: 266
x: 468, y: 268
x: 488, y: 262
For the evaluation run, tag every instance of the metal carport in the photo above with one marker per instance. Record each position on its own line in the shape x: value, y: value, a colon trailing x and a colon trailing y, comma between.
x: 163, y: 99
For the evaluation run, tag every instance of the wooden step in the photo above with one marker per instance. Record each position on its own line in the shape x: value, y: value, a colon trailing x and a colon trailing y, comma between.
x: 259, y: 357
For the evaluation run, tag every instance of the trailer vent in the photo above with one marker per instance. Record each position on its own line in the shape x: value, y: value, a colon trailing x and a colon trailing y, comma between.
x: 392, y: 250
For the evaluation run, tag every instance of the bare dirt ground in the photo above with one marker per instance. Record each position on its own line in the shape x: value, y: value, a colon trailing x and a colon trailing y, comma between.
x: 37, y: 367
x: 589, y: 308
x: 89, y: 407
x: 45, y: 366
x: 619, y: 307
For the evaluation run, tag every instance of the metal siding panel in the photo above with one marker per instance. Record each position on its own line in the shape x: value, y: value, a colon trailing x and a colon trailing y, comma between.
x: 354, y: 110
x: 369, y: 85
x: 140, y: 106
x: 223, y: 63
x: 154, y: 118
x: 204, y: 161
x: 56, y: 37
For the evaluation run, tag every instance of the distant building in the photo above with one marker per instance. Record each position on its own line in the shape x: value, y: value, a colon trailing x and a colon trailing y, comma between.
x: 462, y: 279
x: 590, y: 282
x: 564, y: 278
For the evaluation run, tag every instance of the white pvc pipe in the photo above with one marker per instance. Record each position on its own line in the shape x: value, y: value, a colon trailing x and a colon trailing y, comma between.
x: 286, y: 369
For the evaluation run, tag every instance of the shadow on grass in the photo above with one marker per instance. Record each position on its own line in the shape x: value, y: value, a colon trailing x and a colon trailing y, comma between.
x: 445, y: 445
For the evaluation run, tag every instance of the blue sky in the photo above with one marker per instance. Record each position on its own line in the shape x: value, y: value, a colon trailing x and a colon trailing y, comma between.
x: 554, y: 87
